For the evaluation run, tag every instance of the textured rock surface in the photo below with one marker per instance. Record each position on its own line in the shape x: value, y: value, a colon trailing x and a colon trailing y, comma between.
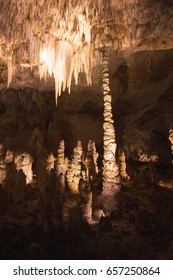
x: 123, y: 25
x: 91, y: 160
x: 74, y: 169
x: 171, y: 139
x: 111, y: 179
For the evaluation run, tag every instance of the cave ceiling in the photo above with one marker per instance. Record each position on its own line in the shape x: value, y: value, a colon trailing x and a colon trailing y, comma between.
x: 139, y: 35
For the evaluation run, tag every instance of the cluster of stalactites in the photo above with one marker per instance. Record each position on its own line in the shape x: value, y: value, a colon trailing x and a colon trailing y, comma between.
x: 54, y: 35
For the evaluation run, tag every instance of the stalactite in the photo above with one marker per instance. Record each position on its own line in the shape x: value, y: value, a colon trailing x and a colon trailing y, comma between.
x: 91, y: 160
x: 171, y: 139
x: 74, y: 169
x: 111, y: 179
x: 122, y: 164
x: 56, y: 36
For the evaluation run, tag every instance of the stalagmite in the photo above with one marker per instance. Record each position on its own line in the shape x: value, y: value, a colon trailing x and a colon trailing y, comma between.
x: 122, y: 164
x: 9, y: 157
x: 60, y: 161
x: 61, y: 166
x: 24, y: 161
x: 111, y: 179
x: 91, y: 160
x: 50, y: 162
x: 2, y: 165
x: 74, y: 169
x: 85, y: 200
x: 171, y: 139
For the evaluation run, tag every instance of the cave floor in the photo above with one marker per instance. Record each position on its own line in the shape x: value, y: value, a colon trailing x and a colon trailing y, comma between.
x: 141, y: 229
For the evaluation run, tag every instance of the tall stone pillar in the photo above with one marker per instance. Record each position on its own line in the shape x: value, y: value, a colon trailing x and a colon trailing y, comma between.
x: 111, y: 178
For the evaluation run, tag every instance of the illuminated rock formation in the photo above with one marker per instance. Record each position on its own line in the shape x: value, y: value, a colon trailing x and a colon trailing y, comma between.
x: 74, y: 169
x: 2, y: 165
x: 50, y: 163
x: 9, y: 157
x: 122, y: 164
x: 85, y: 200
x: 24, y: 161
x: 171, y: 140
x: 91, y: 160
x: 61, y: 166
x: 60, y: 161
x: 111, y: 179
x: 56, y: 37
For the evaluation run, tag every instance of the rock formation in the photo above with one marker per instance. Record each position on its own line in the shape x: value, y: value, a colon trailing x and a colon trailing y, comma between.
x: 171, y: 139
x: 85, y: 200
x: 9, y: 156
x: 122, y: 164
x: 24, y: 161
x: 50, y: 163
x: 111, y: 179
x: 50, y: 48
x: 91, y: 160
x: 60, y: 168
x: 74, y: 169
x: 2, y: 165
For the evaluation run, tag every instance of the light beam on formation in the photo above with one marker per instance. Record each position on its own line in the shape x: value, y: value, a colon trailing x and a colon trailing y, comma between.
x: 67, y: 51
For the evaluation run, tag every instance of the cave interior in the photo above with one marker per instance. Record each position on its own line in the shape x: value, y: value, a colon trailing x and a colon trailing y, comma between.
x: 86, y: 129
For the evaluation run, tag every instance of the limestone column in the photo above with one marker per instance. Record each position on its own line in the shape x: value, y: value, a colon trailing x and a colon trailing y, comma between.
x: 111, y: 179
